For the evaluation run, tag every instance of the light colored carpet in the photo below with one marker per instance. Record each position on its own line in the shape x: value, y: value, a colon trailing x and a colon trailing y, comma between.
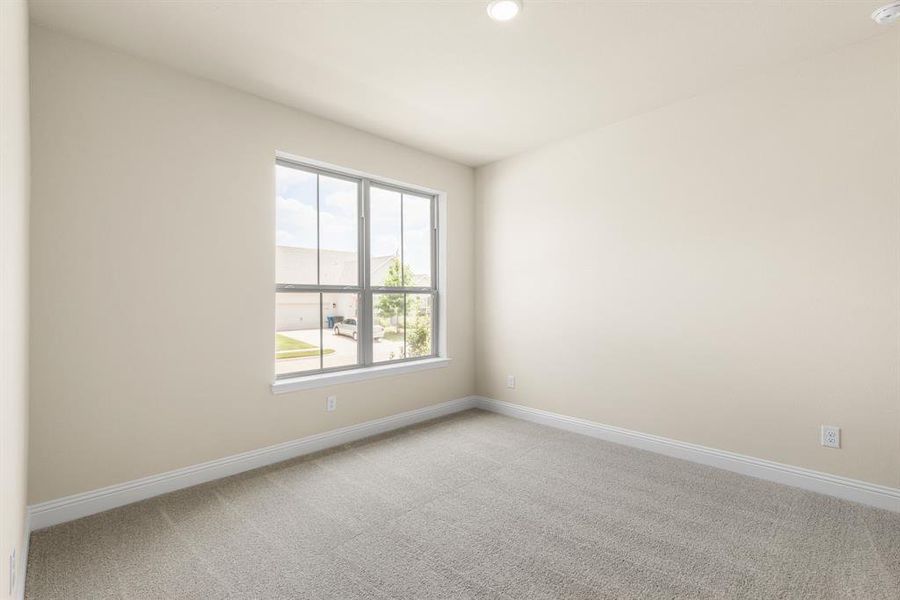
x: 475, y: 505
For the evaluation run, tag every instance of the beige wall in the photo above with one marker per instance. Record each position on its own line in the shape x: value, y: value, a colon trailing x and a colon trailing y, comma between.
x: 153, y: 192
x: 13, y: 283
x: 724, y: 271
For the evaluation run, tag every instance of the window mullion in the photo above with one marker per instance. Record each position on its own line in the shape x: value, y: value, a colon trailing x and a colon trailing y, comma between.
x: 319, y: 270
x: 318, y: 237
x: 366, y: 318
x: 402, y: 264
x: 434, y: 277
x: 325, y: 289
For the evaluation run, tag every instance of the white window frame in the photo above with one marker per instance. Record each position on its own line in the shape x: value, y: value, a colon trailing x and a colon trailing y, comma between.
x: 367, y: 369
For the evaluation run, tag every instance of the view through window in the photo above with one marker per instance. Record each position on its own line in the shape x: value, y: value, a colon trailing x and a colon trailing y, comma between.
x: 355, y: 263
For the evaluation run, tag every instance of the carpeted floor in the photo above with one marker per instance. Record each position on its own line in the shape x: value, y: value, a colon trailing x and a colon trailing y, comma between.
x: 475, y: 505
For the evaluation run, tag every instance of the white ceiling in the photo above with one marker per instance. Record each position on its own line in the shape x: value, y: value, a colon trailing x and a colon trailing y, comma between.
x: 441, y: 76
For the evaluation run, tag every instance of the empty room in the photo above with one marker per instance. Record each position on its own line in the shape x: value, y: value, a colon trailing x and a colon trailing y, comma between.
x: 450, y: 299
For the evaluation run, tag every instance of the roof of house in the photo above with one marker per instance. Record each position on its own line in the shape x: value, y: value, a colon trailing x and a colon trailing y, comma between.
x: 337, y: 267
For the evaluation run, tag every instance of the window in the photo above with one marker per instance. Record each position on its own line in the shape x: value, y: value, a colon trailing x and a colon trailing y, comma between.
x: 355, y: 272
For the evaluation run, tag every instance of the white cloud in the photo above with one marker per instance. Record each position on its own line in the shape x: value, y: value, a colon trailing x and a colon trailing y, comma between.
x: 295, y: 223
x: 338, y: 219
x: 293, y: 183
x: 338, y: 196
x: 337, y: 232
x: 385, y: 245
x: 416, y: 251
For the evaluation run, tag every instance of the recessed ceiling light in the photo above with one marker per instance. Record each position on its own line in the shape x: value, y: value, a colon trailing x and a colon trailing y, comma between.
x: 504, y: 10
x: 887, y: 13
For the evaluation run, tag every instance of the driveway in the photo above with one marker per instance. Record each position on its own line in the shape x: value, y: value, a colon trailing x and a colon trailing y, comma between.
x: 344, y: 351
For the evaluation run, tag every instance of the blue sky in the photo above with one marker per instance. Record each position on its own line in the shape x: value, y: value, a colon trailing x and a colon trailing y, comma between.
x: 296, y: 217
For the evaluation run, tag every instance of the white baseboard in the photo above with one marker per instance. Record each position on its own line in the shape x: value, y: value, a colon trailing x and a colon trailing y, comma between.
x: 841, y: 487
x: 76, y: 506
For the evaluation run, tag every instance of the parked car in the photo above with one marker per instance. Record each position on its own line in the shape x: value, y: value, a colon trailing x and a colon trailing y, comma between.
x: 348, y: 327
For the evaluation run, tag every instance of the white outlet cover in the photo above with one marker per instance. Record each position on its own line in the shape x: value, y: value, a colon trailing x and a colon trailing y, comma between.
x: 511, y: 382
x: 331, y: 403
x: 831, y: 436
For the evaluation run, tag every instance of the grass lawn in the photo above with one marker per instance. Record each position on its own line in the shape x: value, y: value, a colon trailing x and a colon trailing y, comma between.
x: 286, y: 347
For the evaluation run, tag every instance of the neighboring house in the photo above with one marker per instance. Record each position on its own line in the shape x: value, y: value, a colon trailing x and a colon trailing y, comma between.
x: 381, y: 264
x: 295, y: 311
x: 337, y: 267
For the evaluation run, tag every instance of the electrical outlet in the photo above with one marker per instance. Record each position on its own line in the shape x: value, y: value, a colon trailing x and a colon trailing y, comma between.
x: 331, y: 403
x: 511, y: 382
x: 831, y: 436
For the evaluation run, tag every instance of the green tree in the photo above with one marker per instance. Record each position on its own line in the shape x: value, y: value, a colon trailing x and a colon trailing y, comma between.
x: 417, y: 322
x: 391, y: 305
x: 418, y: 337
x: 418, y: 326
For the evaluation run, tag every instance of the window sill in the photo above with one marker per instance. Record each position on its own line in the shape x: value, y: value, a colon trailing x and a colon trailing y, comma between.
x: 309, y: 382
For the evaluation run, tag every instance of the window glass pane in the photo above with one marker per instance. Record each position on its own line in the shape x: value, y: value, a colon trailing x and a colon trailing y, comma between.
x: 341, y: 330
x: 417, y: 240
x: 419, y: 310
x: 388, y: 317
x: 295, y: 226
x: 338, y: 233
x: 297, y: 332
x: 384, y: 214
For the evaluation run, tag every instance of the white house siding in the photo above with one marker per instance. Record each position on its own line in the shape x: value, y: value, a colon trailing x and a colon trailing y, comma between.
x: 296, y: 311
